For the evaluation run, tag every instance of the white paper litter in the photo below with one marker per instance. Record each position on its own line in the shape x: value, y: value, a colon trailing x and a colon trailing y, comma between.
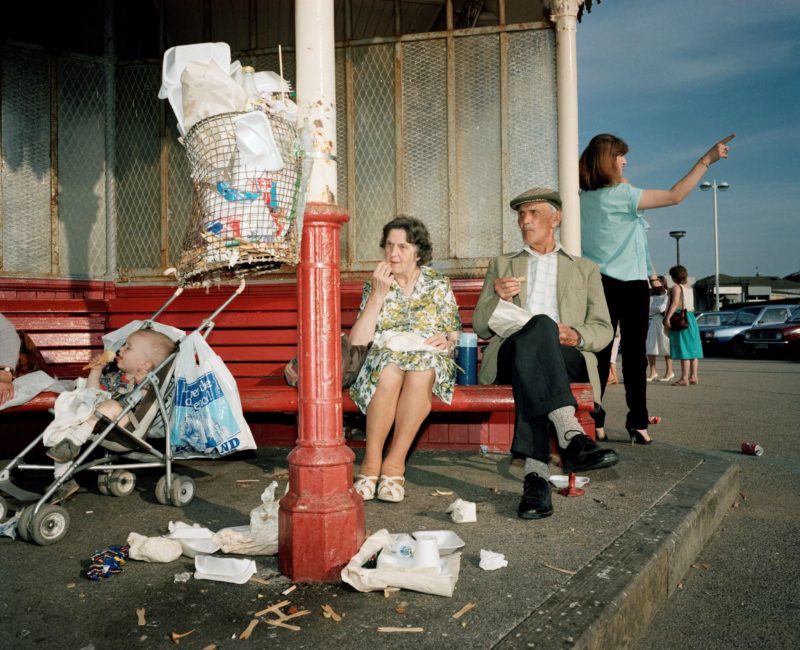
x: 224, y: 569
x: 462, y: 512
x: 194, y: 540
x: 491, y: 561
x: 153, y: 549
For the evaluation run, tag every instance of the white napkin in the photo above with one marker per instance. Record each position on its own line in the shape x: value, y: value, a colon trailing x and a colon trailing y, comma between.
x: 507, y: 318
x: 490, y: 561
x: 462, y: 512
x: 403, y: 342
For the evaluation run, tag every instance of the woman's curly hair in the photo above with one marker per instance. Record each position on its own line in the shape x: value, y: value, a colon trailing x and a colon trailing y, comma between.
x: 416, y: 233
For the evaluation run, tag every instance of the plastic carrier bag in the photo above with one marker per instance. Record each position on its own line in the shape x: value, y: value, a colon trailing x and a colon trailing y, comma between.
x: 207, y: 418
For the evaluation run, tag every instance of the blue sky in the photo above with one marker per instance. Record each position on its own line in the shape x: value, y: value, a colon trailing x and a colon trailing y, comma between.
x: 671, y: 77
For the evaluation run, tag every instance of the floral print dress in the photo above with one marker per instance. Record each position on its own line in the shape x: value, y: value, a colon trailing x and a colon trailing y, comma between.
x: 431, y: 309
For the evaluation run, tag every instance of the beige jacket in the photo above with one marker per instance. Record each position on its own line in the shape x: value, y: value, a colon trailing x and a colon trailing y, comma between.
x: 581, y: 304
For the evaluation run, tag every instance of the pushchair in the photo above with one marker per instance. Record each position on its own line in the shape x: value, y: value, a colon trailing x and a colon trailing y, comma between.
x: 114, y: 452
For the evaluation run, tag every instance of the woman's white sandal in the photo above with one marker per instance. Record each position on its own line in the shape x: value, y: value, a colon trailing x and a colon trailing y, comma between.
x: 391, y: 488
x: 365, y: 486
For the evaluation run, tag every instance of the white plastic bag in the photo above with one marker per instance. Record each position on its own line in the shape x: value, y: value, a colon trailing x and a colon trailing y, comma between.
x: 261, y: 536
x: 208, y: 416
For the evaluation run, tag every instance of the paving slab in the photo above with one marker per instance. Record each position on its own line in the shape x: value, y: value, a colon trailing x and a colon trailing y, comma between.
x: 585, y: 577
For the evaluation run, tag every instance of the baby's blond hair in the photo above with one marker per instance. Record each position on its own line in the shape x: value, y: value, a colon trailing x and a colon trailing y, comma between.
x: 159, y: 345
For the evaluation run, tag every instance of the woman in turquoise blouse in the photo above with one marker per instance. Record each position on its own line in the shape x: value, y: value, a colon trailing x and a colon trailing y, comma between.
x: 613, y: 236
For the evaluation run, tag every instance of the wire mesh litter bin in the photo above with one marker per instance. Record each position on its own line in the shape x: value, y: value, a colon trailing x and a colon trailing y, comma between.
x: 244, y: 219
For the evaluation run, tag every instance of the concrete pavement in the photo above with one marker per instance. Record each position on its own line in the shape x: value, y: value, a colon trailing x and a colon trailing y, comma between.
x: 593, y: 575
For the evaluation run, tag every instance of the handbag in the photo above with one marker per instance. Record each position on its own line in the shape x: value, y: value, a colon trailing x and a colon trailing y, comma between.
x: 678, y: 320
x: 352, y: 359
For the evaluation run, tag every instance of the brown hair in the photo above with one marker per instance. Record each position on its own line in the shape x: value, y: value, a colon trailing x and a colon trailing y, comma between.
x: 596, y: 166
x: 416, y: 233
x: 679, y: 274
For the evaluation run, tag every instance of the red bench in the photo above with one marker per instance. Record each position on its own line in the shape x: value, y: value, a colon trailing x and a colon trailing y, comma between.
x: 255, y: 336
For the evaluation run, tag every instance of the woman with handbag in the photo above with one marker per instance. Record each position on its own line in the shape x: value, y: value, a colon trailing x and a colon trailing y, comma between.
x: 613, y: 237
x: 679, y: 321
x: 409, y: 314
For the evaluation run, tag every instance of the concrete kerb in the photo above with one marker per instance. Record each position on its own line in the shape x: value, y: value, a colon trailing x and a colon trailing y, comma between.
x: 610, y: 601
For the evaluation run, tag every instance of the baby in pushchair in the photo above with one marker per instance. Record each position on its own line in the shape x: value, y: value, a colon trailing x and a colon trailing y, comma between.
x: 143, y: 351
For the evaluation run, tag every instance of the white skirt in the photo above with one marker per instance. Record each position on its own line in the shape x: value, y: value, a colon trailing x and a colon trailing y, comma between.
x: 657, y: 342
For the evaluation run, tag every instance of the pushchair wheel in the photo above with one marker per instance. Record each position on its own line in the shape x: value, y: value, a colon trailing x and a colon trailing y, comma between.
x: 49, y: 525
x: 102, y: 483
x: 121, y: 482
x: 3, y: 510
x: 182, y: 491
x: 161, y: 489
x: 24, y: 524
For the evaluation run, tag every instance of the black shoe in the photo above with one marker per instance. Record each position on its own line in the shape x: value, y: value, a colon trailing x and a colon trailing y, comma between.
x: 536, y: 502
x: 637, y: 438
x: 582, y: 455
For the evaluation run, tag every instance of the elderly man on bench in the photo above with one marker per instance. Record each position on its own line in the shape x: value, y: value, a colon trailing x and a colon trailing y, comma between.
x: 566, y: 321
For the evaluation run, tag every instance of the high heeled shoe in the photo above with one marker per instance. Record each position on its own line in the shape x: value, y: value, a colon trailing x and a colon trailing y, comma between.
x: 669, y: 377
x: 637, y: 437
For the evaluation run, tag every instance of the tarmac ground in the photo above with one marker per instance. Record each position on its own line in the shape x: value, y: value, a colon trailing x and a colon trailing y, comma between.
x: 593, y: 575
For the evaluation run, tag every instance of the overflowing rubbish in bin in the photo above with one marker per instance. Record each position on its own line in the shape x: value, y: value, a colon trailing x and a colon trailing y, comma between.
x: 246, y: 164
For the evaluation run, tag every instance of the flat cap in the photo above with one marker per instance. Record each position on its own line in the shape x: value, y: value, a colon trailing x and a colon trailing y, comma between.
x: 537, y: 194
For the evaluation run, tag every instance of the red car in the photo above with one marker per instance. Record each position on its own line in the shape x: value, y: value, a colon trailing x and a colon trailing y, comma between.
x: 779, y: 337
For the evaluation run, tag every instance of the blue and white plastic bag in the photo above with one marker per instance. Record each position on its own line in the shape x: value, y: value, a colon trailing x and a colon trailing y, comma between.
x: 207, y: 418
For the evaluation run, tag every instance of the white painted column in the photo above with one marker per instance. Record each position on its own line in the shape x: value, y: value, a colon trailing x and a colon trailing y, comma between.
x: 564, y: 13
x: 316, y: 93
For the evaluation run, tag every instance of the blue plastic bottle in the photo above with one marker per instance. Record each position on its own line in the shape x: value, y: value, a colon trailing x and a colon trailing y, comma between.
x: 467, y: 359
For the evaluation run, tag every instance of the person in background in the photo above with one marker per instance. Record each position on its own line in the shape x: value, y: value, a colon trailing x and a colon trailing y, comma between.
x: 409, y: 314
x: 553, y: 348
x: 613, y: 235
x: 9, y: 357
x: 657, y: 339
x: 685, y: 344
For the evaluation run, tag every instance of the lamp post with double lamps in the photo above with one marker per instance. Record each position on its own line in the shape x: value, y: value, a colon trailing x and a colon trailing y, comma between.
x: 721, y: 187
x: 676, y: 235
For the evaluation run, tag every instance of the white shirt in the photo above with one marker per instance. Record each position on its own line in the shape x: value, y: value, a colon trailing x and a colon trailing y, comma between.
x: 542, y: 276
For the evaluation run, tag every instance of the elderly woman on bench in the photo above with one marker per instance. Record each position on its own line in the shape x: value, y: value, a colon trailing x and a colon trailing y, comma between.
x: 409, y: 313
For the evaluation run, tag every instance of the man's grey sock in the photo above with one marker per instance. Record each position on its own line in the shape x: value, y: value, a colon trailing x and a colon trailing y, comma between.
x: 537, y: 467
x: 567, y: 425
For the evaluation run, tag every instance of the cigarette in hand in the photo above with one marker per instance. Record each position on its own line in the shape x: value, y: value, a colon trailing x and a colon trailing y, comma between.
x: 102, y: 359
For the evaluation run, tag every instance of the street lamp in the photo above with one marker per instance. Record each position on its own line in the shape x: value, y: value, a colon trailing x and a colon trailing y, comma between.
x: 677, y: 234
x: 721, y: 187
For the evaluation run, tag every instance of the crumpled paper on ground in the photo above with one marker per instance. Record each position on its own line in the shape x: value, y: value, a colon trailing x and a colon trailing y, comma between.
x: 193, y: 538
x: 490, y: 561
x: 261, y: 537
x: 462, y: 512
x: 439, y: 582
x: 153, y: 549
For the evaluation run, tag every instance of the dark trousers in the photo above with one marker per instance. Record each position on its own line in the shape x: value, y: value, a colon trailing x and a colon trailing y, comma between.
x: 539, y: 370
x: 629, y: 306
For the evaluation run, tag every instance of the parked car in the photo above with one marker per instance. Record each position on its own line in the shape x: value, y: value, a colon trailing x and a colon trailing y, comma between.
x: 729, y: 337
x: 714, y: 318
x: 780, y: 337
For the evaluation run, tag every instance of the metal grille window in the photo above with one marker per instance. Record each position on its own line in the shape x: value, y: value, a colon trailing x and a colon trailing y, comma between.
x: 442, y: 126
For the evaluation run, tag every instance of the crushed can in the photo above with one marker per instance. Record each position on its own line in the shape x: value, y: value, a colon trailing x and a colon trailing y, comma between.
x: 752, y: 449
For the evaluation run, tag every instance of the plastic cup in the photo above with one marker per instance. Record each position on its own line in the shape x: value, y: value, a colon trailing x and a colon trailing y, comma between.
x: 426, y: 553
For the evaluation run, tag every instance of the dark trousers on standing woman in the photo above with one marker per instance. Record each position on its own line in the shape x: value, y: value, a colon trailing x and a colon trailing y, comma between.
x: 539, y: 370
x: 628, y: 305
